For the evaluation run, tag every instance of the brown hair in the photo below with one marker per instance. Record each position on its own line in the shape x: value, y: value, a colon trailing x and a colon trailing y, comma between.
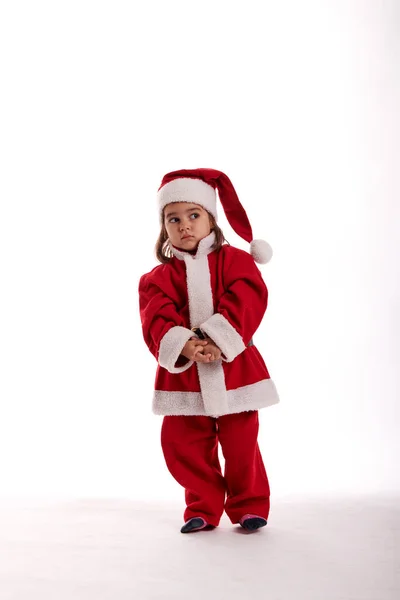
x: 163, y: 251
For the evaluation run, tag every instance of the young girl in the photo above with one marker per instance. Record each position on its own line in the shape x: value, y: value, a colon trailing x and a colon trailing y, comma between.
x: 199, y: 310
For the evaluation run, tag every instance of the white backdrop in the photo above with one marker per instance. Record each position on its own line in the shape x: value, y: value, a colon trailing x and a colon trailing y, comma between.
x: 298, y: 104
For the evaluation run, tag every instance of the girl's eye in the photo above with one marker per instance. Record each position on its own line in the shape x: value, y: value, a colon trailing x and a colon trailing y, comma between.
x: 176, y: 219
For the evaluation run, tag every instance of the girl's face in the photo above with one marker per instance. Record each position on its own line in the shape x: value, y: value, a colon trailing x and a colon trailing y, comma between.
x: 186, y: 224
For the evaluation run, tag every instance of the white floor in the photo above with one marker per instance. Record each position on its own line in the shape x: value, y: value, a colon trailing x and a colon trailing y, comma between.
x: 315, y: 549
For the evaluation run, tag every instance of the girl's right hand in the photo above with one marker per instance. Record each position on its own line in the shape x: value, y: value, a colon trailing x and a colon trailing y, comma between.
x: 193, y: 350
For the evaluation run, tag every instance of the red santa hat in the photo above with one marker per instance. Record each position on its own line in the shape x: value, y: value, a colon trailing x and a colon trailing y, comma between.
x: 199, y: 186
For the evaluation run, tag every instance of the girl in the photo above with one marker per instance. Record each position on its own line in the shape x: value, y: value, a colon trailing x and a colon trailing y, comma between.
x: 199, y: 311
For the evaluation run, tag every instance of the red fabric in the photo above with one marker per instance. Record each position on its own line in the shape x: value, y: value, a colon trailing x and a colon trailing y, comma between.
x: 209, y: 176
x: 239, y: 294
x: 190, y: 447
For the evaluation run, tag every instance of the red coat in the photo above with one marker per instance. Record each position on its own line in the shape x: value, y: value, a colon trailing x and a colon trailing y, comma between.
x: 224, y: 294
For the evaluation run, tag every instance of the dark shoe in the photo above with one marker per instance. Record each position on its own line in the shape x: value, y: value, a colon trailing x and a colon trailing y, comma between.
x: 252, y: 522
x: 195, y: 524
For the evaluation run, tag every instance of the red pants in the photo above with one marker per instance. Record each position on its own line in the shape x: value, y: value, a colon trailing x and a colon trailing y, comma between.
x: 190, y: 447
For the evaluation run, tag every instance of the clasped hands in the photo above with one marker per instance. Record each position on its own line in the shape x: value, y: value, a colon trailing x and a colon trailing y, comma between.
x: 201, y: 350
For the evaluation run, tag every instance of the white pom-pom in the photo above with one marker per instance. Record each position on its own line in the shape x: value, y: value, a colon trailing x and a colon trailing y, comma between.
x: 261, y: 251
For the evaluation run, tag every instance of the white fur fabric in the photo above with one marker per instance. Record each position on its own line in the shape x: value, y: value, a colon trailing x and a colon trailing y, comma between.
x: 211, y: 375
x: 201, y: 308
x: 249, y: 397
x: 213, y: 388
x: 224, y: 335
x: 188, y: 189
x: 171, y: 346
x: 261, y: 251
x: 199, y: 289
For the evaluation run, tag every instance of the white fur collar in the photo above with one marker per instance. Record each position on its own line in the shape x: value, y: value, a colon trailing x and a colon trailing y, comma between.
x: 204, y: 247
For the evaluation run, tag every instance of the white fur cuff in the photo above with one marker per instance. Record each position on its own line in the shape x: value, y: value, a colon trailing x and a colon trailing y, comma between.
x: 224, y: 335
x: 171, y: 346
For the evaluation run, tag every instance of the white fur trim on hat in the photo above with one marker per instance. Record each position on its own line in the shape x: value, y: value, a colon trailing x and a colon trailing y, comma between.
x: 261, y: 251
x: 188, y: 189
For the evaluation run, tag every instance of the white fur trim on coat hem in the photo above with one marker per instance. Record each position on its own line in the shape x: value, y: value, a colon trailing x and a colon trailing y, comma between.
x: 224, y: 335
x: 171, y: 346
x: 249, y: 397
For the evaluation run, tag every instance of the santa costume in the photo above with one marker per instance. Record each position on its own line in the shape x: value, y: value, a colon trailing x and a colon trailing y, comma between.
x: 222, y: 295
